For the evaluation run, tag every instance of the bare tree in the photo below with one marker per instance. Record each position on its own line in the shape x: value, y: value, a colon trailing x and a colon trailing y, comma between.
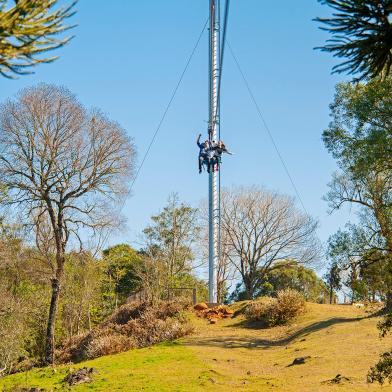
x: 63, y: 165
x: 261, y: 227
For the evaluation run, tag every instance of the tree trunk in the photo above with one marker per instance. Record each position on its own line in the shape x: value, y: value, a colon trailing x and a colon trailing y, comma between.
x: 56, y: 281
x: 330, y: 295
x: 219, y: 291
x: 388, y: 300
x: 49, y: 350
x: 248, y: 287
x: 89, y: 318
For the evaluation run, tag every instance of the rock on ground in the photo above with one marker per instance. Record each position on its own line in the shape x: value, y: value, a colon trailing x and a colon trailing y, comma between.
x: 201, y: 306
x: 299, y: 361
x: 80, y: 376
x: 216, y: 313
x: 338, y: 379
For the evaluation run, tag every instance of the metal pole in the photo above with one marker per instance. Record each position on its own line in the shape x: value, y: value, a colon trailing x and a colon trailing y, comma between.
x: 213, y: 191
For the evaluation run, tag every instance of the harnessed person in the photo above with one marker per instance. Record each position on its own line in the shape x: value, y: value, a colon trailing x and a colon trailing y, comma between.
x: 219, y: 148
x: 203, y: 153
x: 210, y: 154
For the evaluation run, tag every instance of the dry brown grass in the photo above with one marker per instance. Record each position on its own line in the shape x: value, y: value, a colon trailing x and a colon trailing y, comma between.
x: 133, y: 325
x: 338, y: 339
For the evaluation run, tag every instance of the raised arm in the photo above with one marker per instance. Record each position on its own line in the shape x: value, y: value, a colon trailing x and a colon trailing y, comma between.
x: 198, y: 141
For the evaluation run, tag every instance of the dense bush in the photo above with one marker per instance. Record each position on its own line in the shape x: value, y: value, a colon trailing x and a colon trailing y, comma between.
x: 133, y: 325
x: 260, y: 309
x: 382, y: 370
x: 276, y: 311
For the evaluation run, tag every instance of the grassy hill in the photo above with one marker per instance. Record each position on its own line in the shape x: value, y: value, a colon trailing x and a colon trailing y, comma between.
x: 235, y: 356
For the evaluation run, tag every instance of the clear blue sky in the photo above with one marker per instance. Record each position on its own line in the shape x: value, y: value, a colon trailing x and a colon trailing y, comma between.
x: 127, y: 57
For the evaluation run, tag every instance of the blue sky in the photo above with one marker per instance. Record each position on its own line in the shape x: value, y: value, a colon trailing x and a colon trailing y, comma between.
x: 126, y: 59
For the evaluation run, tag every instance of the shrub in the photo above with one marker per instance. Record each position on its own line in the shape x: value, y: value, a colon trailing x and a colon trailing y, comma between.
x: 288, y: 305
x: 260, y: 310
x: 109, y: 344
x: 133, y: 325
x: 382, y: 370
x: 11, y: 339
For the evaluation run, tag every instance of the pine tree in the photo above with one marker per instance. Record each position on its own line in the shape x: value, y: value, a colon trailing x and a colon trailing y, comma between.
x: 362, y: 35
x: 28, y: 29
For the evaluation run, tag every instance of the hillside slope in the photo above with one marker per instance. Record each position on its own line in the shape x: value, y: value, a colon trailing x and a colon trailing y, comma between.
x: 233, y: 356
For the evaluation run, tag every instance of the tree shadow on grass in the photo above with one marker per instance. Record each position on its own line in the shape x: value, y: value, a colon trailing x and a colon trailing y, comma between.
x: 250, y: 342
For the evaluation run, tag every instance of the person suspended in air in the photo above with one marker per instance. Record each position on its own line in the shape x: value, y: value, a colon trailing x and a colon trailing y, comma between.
x: 203, y: 154
x: 211, y: 156
x: 219, y: 148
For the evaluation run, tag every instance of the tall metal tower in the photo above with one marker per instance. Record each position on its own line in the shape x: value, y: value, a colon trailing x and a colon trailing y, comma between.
x: 213, y: 126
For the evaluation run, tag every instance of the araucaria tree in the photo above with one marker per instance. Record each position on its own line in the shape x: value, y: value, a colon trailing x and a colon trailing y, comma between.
x: 260, y: 228
x: 63, y: 167
x: 361, y: 35
x: 28, y: 29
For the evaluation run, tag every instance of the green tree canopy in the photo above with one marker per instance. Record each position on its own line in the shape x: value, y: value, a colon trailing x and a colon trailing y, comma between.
x: 290, y: 274
x: 360, y: 139
x: 286, y: 274
x: 171, y: 238
x: 120, y: 264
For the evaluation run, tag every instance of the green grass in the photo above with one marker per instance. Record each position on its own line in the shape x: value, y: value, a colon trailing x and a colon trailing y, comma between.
x: 232, y: 356
x: 165, y: 367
